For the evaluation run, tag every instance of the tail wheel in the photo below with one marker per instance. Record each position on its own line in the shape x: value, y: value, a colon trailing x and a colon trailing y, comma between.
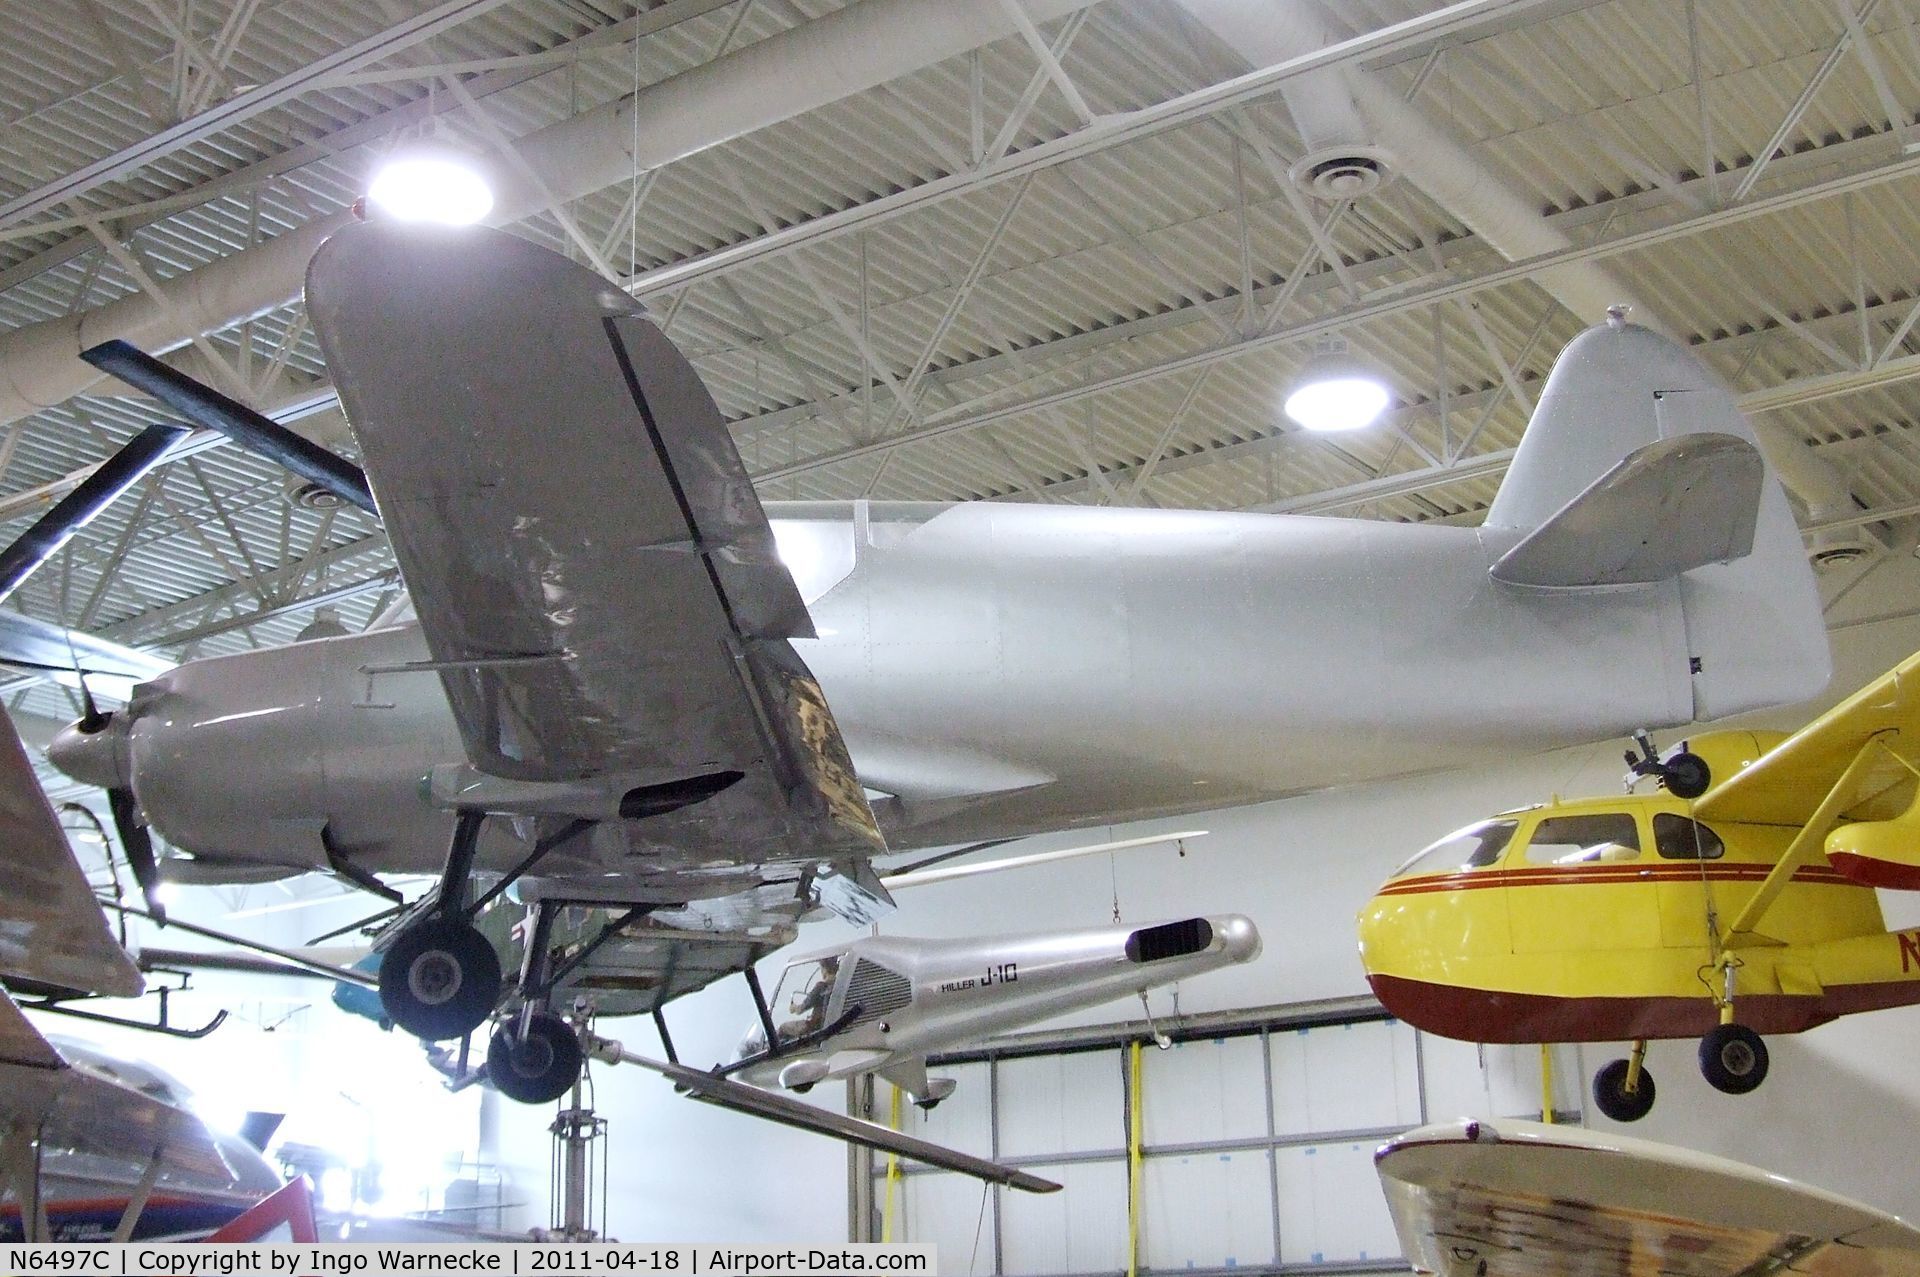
x: 1610, y: 1093
x: 539, y: 1066
x: 1733, y: 1058
x: 441, y: 979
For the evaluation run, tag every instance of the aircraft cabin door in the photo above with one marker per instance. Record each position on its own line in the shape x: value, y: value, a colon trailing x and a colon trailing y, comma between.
x: 1577, y: 883
x: 1682, y: 847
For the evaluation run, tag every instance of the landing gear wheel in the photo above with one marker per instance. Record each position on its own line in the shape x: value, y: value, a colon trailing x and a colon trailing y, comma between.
x: 1615, y: 1100
x: 1733, y: 1058
x: 440, y: 980
x: 1686, y: 775
x: 539, y: 1067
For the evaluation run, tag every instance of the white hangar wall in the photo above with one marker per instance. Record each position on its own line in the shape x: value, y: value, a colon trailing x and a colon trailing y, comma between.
x: 1301, y: 868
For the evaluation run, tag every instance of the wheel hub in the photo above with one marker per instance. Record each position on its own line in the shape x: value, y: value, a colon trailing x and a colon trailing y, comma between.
x: 1737, y: 1058
x: 434, y: 977
x: 531, y: 1055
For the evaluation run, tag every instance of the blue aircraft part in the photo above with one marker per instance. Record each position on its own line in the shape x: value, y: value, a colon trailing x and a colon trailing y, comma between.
x: 356, y: 999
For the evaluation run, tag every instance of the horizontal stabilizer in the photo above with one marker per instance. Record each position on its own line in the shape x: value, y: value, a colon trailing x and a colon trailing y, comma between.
x: 1666, y: 508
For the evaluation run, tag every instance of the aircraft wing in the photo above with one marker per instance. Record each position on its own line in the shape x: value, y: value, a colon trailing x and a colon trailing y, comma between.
x: 42, y: 645
x: 51, y: 929
x: 595, y: 577
x: 648, y: 965
x: 1519, y: 1199
x: 1785, y: 785
x: 75, y: 1106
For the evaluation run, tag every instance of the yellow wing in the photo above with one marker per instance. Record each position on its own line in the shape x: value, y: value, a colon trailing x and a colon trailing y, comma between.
x: 1788, y: 784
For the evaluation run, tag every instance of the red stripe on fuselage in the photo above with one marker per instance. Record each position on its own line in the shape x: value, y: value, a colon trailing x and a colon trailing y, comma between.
x: 1577, y: 875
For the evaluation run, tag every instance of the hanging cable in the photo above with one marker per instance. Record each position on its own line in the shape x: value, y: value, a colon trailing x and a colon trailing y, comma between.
x: 979, y: 1222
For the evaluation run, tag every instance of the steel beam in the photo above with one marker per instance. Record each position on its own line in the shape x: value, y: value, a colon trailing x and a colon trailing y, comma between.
x: 441, y: 17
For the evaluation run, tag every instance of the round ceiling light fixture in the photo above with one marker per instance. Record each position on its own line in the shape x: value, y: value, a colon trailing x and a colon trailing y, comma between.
x: 1336, y: 391
x: 430, y: 181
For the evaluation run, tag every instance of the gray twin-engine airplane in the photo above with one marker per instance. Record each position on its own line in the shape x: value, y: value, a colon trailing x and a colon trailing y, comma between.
x: 629, y: 686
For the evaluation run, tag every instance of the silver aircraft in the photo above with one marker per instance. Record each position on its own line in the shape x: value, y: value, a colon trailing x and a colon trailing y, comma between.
x: 883, y: 1005
x: 92, y: 1147
x: 629, y: 685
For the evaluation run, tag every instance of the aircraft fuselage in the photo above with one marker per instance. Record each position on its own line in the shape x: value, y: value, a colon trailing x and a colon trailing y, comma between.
x: 996, y: 670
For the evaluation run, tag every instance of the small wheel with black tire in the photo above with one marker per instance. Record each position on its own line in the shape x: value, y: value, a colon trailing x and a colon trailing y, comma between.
x: 539, y: 1066
x: 440, y: 979
x: 1686, y: 775
x: 1610, y: 1092
x: 1733, y: 1058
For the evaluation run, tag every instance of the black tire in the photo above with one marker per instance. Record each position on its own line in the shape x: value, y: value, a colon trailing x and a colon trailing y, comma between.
x: 1687, y: 775
x: 1733, y: 1058
x: 538, y: 1068
x: 440, y: 980
x: 1611, y: 1095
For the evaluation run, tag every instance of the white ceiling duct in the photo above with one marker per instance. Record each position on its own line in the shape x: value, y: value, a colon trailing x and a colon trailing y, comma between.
x: 1454, y: 178
x: 814, y: 64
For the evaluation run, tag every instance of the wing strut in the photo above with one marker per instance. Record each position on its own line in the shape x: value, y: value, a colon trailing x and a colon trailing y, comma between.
x: 1807, y: 845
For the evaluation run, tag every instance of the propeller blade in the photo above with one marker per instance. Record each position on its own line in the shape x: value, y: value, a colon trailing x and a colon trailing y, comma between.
x: 207, y: 407
x: 91, y: 719
x: 138, y: 844
x: 72, y: 512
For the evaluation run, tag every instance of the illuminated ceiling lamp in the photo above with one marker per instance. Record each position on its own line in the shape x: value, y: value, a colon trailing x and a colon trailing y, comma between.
x: 1336, y: 390
x: 431, y: 180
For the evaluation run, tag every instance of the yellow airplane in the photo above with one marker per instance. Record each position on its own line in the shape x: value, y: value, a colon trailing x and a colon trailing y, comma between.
x: 1749, y: 908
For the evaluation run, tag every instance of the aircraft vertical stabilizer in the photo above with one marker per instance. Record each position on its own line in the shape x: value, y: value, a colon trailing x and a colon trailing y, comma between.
x: 1755, y: 634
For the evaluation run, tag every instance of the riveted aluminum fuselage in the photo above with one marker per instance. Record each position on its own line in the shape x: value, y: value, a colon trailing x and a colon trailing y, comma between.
x: 997, y: 670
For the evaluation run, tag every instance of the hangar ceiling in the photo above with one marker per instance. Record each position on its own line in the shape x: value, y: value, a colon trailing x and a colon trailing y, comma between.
x: 1069, y: 265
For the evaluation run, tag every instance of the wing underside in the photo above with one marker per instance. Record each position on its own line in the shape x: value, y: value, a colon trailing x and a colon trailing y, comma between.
x: 647, y: 966
x: 73, y: 1106
x: 52, y: 931
x: 1517, y: 1199
x: 594, y: 574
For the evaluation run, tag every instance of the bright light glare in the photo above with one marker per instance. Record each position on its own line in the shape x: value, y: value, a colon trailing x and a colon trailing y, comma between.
x: 431, y: 188
x: 1337, y: 403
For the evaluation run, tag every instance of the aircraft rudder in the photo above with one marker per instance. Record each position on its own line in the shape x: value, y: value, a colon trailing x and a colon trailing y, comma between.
x: 1756, y: 635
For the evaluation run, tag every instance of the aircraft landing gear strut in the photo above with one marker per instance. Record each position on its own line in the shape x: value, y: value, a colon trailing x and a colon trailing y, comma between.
x: 1733, y: 1058
x: 1623, y: 1089
x: 535, y: 1056
x: 441, y: 977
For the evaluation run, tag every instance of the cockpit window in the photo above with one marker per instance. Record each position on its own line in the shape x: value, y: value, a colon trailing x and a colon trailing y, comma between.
x: 1579, y: 840
x: 800, y: 1002
x: 1677, y: 838
x: 1468, y: 848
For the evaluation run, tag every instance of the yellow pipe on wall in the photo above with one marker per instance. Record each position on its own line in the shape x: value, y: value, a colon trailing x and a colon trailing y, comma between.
x: 893, y: 1169
x: 1133, y: 1161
